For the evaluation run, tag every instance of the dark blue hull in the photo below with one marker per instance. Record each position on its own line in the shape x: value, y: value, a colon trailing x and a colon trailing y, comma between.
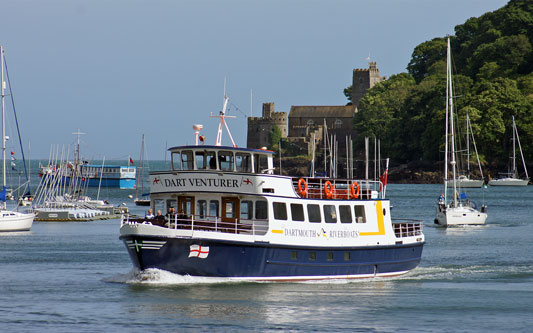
x: 269, y: 262
x: 122, y: 183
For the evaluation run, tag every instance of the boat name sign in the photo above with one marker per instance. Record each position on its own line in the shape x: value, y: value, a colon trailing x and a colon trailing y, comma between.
x: 163, y: 183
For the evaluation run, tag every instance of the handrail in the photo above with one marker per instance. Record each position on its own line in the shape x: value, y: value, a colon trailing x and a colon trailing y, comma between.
x: 341, y: 188
x: 407, y: 227
x: 204, y: 223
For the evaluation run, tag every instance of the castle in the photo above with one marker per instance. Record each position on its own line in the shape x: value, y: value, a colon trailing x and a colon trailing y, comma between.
x: 307, y: 122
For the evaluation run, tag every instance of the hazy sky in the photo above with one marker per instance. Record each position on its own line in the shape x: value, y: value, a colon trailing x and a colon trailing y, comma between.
x: 116, y: 69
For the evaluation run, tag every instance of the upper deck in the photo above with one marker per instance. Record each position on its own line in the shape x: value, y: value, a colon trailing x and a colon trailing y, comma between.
x: 222, y: 158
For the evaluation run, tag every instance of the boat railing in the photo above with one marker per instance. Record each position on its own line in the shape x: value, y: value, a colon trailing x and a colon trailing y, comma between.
x: 337, y: 189
x: 204, y: 223
x: 407, y: 227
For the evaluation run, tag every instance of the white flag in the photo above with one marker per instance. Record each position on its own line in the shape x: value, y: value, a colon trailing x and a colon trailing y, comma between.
x: 198, y: 251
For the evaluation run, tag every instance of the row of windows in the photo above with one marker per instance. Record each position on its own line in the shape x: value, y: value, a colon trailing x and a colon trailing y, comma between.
x: 314, y: 215
x: 224, y: 160
x: 311, y: 256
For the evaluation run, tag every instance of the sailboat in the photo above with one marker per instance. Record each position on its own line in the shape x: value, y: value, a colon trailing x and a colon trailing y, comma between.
x: 9, y: 220
x: 459, y: 210
x: 464, y: 180
x: 511, y: 178
x: 145, y: 199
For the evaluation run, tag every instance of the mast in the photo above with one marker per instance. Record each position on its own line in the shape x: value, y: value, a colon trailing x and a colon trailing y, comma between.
x: 514, y: 151
x: 452, y: 138
x: 2, y: 83
x: 520, y: 147
x: 222, y: 124
x: 467, y: 146
x: 446, y: 125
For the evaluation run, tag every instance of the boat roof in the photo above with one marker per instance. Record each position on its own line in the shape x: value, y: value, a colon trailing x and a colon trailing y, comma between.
x: 204, y: 147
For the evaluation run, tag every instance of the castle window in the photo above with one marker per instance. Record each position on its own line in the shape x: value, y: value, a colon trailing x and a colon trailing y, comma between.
x: 310, y: 123
x: 338, y: 123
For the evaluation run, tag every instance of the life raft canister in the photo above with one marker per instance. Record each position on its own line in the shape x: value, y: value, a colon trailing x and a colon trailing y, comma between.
x: 353, y: 192
x: 302, y: 187
x: 328, y: 189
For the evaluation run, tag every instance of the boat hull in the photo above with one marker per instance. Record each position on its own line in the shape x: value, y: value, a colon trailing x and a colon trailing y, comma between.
x: 15, y: 221
x: 460, y: 216
x: 265, y: 262
x: 508, y: 182
x: 467, y: 183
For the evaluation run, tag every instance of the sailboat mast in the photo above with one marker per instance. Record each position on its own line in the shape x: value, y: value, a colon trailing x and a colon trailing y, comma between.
x: 514, y: 151
x: 467, y: 145
x: 3, y: 120
x: 452, y: 137
x: 446, y: 126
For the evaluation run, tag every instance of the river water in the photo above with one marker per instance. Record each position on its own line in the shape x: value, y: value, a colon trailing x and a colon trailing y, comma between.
x: 66, y: 277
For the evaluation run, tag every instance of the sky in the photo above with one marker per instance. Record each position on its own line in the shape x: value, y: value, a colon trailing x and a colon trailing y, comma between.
x: 118, y: 69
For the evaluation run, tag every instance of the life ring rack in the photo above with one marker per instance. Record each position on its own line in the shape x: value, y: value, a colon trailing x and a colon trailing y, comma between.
x: 302, y: 187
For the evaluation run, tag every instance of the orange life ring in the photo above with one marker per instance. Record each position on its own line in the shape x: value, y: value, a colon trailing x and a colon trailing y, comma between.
x: 353, y: 192
x: 302, y: 191
x: 328, y: 189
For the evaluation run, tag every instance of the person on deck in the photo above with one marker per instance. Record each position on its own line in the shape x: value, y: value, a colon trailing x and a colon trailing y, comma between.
x: 149, y: 214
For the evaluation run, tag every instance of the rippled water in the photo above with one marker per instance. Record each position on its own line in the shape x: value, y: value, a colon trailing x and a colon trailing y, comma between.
x: 66, y: 277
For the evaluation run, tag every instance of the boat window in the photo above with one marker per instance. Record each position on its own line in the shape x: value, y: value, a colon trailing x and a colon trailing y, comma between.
x: 260, y: 163
x: 294, y: 255
x: 247, y: 210
x: 213, y: 208
x: 200, y: 160
x: 313, y: 213
x: 211, y: 160
x: 201, y: 209
x: 346, y: 256
x: 243, y: 162
x: 230, y: 209
x: 159, y: 204
x: 225, y: 160
x: 360, y: 213
x: 330, y: 214
x: 176, y: 162
x: 186, y: 160
x: 280, y: 210
x: 330, y: 256
x: 312, y: 256
x: 172, y: 204
x: 346, y: 213
x: 297, y: 212
x: 261, y: 210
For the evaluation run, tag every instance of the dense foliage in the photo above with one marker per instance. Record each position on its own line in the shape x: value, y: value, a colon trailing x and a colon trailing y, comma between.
x: 493, y: 64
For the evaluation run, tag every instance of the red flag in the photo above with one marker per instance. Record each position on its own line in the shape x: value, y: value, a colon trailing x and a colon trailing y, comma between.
x: 131, y: 161
x: 383, y: 177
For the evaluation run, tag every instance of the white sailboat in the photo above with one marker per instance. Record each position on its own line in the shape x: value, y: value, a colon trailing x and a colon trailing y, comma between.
x: 511, y: 178
x: 464, y: 180
x: 459, y: 210
x: 9, y: 220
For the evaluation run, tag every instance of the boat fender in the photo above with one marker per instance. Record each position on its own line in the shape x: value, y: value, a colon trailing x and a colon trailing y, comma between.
x: 353, y: 191
x: 302, y: 187
x: 328, y: 189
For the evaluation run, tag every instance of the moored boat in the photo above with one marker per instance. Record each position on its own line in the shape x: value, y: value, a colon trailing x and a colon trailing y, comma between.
x: 9, y: 220
x: 236, y: 219
x: 454, y: 208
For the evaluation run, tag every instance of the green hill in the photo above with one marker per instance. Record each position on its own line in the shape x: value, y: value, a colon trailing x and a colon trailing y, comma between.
x: 493, y: 65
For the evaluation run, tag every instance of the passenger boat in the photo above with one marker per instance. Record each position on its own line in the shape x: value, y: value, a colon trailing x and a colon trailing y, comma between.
x: 238, y: 220
x: 93, y: 175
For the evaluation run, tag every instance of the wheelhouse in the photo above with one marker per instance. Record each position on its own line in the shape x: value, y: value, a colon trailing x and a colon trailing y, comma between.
x: 226, y: 159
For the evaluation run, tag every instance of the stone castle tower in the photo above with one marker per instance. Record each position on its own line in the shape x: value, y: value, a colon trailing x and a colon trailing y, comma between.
x: 364, y: 79
x: 259, y: 128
